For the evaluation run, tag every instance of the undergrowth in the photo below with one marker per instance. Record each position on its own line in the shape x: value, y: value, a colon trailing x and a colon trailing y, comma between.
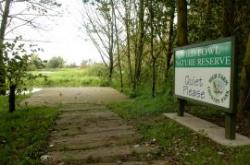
x: 24, y: 133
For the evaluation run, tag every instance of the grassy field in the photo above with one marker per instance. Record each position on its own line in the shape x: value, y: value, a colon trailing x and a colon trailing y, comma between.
x: 176, y: 141
x: 24, y: 133
x: 69, y: 77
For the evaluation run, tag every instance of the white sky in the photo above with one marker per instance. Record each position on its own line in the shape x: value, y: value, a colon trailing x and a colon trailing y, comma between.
x: 65, y: 34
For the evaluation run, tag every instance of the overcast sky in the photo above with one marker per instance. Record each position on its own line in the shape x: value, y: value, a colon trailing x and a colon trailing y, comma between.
x: 64, y: 35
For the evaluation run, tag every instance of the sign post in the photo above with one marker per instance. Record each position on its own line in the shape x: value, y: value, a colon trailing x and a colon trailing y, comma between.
x: 205, y: 74
x: 181, y: 107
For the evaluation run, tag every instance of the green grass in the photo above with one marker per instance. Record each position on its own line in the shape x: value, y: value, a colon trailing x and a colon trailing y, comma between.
x: 24, y: 133
x: 176, y: 141
x: 144, y: 106
x: 68, y: 77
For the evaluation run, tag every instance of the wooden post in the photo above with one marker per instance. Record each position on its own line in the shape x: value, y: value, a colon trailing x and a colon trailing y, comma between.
x: 230, y: 117
x: 181, y: 107
x: 230, y: 125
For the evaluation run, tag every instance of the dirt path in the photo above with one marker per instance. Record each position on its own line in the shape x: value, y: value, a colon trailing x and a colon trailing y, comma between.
x: 86, y: 132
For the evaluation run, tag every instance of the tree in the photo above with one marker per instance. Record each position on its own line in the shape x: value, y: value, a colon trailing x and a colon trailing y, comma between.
x: 56, y: 62
x: 153, y: 57
x: 170, y: 35
x: 139, y: 47
x: 117, y: 42
x: 2, y: 35
x: 127, y: 21
x: 245, y: 79
x: 157, y: 20
x: 228, y: 18
x: 35, y: 62
x: 241, y: 32
x: 16, y: 60
x: 99, y: 25
x: 27, y: 13
x: 182, y: 35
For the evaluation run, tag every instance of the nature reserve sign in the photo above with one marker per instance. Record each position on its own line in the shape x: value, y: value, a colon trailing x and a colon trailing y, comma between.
x: 204, y: 73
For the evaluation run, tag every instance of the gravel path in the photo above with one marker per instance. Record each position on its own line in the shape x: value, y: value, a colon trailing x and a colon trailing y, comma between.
x: 87, y: 132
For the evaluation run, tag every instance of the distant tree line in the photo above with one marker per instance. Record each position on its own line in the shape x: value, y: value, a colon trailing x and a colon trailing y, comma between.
x: 36, y: 63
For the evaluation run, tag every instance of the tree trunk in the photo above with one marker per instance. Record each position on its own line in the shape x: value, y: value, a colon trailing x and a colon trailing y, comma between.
x: 139, y: 49
x: 228, y: 18
x: 154, y: 77
x: 118, y: 46
x: 170, y: 39
x: 2, y: 34
x: 244, y: 102
x: 111, y: 68
x: 111, y: 47
x: 12, y: 98
x: 182, y: 36
x: 127, y: 26
x: 153, y: 57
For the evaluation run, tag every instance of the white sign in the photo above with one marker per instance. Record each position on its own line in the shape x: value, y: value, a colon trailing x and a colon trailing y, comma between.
x: 203, y: 73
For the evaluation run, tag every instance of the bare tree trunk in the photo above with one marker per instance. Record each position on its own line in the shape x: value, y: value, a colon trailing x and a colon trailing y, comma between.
x: 228, y: 18
x: 154, y: 75
x: 118, y: 46
x: 182, y: 36
x: 182, y: 39
x: 244, y: 101
x: 127, y: 26
x: 111, y: 47
x: 2, y: 34
x: 139, y: 49
x: 101, y: 24
x: 153, y: 57
x: 111, y: 69
x: 170, y: 39
x: 12, y: 98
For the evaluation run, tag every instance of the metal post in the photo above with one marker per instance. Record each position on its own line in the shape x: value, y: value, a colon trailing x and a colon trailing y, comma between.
x: 230, y: 125
x: 181, y: 107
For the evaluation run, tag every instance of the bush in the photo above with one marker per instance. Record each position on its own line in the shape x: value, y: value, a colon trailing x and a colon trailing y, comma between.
x: 56, y: 62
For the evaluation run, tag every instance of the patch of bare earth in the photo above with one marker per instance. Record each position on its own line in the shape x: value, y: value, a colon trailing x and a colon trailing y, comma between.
x: 86, y: 132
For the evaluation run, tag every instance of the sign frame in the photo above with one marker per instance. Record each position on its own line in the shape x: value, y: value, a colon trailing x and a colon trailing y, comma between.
x: 233, y: 85
x: 230, y: 113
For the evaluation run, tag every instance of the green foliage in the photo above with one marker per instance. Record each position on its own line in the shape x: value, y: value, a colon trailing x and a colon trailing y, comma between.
x: 35, y: 63
x: 144, y: 106
x: 23, y: 135
x: 16, y: 62
x: 205, y: 25
x: 16, y: 59
x: 56, y: 62
x: 3, y: 103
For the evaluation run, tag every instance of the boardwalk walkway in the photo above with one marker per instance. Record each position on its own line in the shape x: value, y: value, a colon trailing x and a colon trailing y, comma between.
x: 87, y: 132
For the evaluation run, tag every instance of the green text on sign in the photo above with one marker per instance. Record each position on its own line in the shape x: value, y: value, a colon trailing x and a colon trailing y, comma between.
x: 215, y: 55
